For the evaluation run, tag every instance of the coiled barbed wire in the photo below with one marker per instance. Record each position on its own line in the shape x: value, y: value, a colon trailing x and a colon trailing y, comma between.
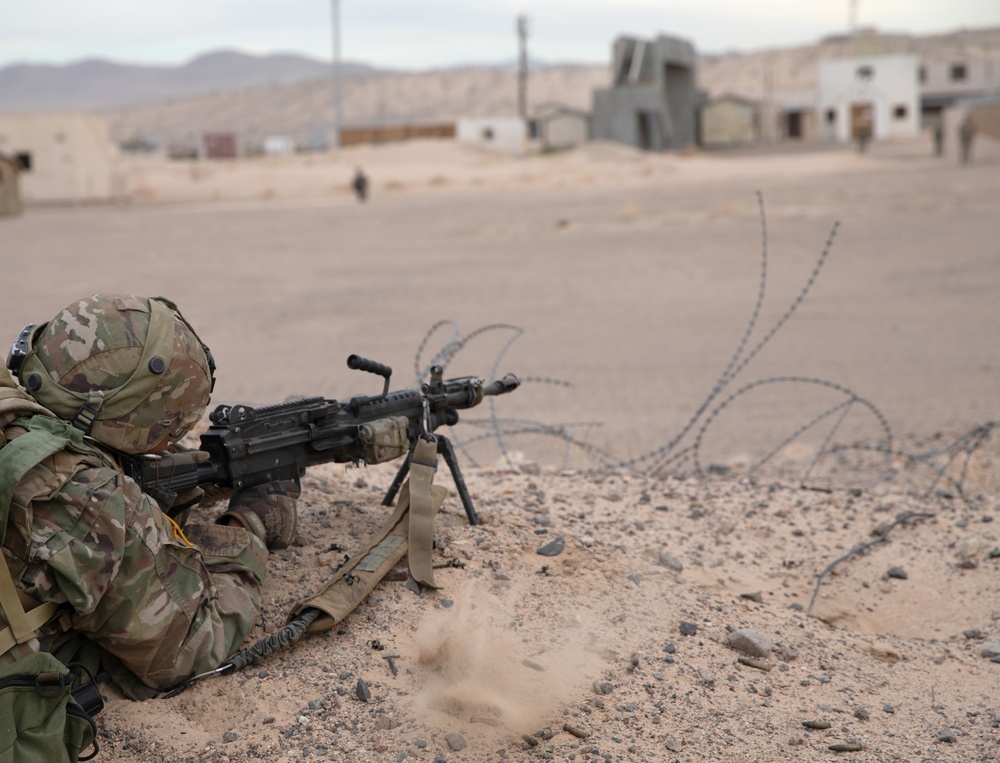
x: 677, y: 457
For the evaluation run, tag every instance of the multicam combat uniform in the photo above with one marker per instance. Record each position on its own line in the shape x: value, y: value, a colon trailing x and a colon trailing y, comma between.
x: 81, y: 534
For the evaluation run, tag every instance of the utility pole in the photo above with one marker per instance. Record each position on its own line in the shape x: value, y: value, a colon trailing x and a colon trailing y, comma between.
x: 522, y: 67
x: 335, y: 137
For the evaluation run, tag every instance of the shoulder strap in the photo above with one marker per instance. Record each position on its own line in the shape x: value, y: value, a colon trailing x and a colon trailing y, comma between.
x: 22, y: 624
x: 17, y: 458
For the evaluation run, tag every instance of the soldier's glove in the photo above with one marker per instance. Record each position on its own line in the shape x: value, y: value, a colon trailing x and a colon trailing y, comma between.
x: 267, y: 511
x: 175, y: 456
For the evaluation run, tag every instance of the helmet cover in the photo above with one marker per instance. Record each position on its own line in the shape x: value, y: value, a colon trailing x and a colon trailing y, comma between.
x: 128, y: 370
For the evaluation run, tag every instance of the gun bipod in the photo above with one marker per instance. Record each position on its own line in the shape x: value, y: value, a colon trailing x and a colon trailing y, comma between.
x: 447, y: 450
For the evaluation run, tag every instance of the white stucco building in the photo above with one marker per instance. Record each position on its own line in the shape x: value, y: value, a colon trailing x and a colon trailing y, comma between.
x: 507, y: 134
x: 877, y: 93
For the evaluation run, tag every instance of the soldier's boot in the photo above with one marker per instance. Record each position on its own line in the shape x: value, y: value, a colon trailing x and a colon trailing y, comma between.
x: 268, y: 511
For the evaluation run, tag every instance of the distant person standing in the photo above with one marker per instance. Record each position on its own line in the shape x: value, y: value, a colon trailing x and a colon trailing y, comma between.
x: 360, y: 185
x: 862, y: 136
x: 938, y: 140
x: 966, y: 134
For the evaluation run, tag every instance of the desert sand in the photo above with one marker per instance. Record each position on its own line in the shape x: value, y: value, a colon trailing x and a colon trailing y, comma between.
x: 651, y: 436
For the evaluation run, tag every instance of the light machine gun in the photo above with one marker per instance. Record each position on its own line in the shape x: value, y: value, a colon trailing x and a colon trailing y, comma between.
x: 254, y: 446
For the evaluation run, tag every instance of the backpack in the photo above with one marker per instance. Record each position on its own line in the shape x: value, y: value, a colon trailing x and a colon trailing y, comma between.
x: 45, y: 711
x: 45, y: 706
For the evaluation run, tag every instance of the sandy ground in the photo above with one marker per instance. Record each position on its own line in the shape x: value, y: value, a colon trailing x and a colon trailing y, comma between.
x: 624, y: 289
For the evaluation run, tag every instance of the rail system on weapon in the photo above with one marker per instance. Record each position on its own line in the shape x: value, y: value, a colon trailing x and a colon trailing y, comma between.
x: 253, y: 446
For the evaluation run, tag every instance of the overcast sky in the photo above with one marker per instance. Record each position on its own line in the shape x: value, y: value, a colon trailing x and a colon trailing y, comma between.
x: 420, y: 34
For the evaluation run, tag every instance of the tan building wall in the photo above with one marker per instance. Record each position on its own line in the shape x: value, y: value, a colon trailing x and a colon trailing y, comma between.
x: 10, y: 195
x: 563, y: 129
x: 729, y: 122
x: 72, y: 158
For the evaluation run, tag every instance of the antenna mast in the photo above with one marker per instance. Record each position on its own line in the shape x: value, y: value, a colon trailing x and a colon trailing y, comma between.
x: 522, y: 66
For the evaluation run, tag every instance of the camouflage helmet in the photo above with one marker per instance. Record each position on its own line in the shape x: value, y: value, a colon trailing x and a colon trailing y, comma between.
x: 129, y: 371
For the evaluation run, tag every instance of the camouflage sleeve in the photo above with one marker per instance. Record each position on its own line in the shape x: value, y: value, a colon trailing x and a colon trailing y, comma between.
x: 166, y: 605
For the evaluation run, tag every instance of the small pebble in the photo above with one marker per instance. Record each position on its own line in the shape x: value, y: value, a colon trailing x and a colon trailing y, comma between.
x: 847, y: 747
x: 989, y: 651
x: 947, y: 735
x: 671, y: 562
x: 816, y: 724
x: 688, y: 629
x: 362, y: 690
x: 888, y: 709
x: 897, y: 572
x: 456, y: 742
x: 751, y: 642
x: 553, y: 548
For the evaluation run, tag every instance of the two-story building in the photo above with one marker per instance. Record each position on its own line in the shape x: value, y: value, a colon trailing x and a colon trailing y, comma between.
x: 653, y: 100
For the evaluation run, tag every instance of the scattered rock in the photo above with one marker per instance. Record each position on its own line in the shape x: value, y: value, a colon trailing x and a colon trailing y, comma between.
x: 888, y: 709
x: 671, y: 562
x: 456, y: 742
x: 707, y: 676
x: 847, y: 747
x: 230, y: 736
x: 750, y: 641
x: 362, y: 691
x: 816, y: 725
x: 552, y: 548
x: 688, y: 629
x: 635, y: 577
x: 947, y: 735
x: 897, y: 572
x: 969, y: 549
x: 989, y: 651
x: 861, y: 714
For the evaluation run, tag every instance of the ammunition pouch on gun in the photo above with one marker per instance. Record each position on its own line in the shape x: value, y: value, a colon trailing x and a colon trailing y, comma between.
x: 384, y: 439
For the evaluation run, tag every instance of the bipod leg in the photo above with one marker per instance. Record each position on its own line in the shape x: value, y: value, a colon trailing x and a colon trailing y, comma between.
x: 446, y: 449
x: 397, y: 481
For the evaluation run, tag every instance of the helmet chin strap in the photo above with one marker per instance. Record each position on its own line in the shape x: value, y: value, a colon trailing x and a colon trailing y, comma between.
x: 87, y: 414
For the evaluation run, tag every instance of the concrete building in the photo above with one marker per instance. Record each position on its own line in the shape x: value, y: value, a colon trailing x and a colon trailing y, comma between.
x: 507, y: 134
x: 730, y: 120
x: 65, y: 158
x: 879, y: 94
x: 652, y: 103
x: 558, y: 127
x: 944, y: 83
x: 10, y: 190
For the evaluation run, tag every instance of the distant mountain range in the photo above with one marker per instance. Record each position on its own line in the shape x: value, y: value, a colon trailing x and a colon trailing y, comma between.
x: 98, y: 84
